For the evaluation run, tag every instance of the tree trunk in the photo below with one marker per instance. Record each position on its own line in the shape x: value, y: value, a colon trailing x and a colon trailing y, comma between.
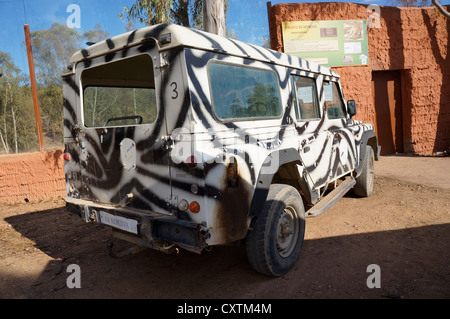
x: 15, y: 129
x: 185, y: 13
x: 5, y: 147
x: 11, y: 104
x: 214, y: 17
x: 5, y: 129
x: 95, y: 106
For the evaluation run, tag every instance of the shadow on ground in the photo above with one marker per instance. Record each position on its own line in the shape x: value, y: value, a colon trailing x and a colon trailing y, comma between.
x: 414, y: 263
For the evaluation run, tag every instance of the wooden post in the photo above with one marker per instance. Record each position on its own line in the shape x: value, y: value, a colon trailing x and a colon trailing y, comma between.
x: 37, y: 113
x: 269, y: 16
x: 214, y: 20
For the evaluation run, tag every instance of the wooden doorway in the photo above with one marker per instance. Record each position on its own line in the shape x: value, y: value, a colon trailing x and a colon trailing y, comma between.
x: 387, y: 94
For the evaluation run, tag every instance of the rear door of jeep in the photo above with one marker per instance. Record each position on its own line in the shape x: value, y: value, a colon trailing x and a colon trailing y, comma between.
x: 121, y: 136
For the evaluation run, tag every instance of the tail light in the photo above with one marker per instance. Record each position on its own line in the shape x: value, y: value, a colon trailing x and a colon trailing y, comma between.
x: 194, y: 207
x: 190, y: 161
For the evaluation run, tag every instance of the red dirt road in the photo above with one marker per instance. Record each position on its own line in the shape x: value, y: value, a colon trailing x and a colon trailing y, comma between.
x: 404, y: 228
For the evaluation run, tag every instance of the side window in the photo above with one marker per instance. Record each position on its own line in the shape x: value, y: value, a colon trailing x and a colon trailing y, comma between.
x: 241, y: 92
x: 306, y: 103
x: 333, y: 101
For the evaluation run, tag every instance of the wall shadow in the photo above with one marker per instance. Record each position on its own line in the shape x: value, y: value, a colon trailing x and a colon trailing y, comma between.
x: 413, y: 262
x: 442, y: 141
x: 393, y: 18
x: 54, y: 156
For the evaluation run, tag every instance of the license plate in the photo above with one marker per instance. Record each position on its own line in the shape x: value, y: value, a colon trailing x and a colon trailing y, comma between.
x: 126, y: 224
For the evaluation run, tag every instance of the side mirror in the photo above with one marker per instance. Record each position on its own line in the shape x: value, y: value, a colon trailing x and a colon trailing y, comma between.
x: 351, y: 108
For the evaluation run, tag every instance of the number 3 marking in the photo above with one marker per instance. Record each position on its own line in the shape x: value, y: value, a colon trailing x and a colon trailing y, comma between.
x: 175, y: 86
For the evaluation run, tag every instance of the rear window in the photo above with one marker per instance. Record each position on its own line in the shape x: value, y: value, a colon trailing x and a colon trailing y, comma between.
x: 244, y: 93
x: 119, y: 93
x: 113, y: 106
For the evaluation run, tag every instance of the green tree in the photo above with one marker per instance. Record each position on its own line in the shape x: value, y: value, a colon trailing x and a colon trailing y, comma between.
x: 263, y: 101
x: 17, y: 129
x: 266, y: 42
x: 96, y: 35
x: 412, y: 3
x: 52, y: 49
x: 130, y: 26
x: 235, y: 109
x: 187, y: 13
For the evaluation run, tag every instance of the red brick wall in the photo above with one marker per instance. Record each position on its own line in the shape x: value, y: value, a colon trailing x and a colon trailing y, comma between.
x: 413, y: 40
x: 31, y: 176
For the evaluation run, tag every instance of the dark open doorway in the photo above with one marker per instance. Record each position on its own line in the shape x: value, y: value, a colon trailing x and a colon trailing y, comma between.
x: 387, y: 94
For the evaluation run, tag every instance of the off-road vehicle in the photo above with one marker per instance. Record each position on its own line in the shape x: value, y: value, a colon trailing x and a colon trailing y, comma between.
x: 178, y: 138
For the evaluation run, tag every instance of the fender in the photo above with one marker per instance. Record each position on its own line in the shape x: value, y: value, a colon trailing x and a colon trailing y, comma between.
x: 265, y: 178
x: 368, y: 138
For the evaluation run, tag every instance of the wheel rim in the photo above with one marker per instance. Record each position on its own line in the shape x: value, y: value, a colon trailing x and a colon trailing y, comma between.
x: 287, y: 231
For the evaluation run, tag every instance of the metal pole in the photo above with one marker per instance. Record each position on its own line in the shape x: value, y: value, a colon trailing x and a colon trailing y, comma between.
x: 269, y: 16
x: 441, y: 8
x: 37, y: 113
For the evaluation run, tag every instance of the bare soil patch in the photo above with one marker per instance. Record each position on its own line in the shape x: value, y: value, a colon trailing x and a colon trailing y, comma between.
x: 403, y: 227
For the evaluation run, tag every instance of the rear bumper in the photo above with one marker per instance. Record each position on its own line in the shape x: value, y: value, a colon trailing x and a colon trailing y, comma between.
x: 149, y: 227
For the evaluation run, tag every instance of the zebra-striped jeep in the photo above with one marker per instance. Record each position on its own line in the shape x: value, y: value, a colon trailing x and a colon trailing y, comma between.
x: 179, y: 138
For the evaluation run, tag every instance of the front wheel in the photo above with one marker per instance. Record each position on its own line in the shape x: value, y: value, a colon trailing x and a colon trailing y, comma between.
x: 274, y: 244
x: 365, y: 181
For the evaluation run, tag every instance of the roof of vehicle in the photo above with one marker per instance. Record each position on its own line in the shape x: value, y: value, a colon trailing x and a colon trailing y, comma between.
x: 182, y: 36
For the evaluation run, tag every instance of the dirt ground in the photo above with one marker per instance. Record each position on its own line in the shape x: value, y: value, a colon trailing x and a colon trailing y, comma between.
x: 404, y: 228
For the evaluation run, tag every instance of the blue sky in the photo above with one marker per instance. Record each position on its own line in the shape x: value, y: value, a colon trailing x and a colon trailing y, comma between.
x: 247, y: 17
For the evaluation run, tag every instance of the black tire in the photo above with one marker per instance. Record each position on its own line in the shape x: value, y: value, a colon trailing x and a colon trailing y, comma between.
x: 365, y: 181
x: 274, y: 244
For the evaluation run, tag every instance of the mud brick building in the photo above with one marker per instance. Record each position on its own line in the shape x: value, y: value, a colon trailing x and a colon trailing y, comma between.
x: 405, y: 89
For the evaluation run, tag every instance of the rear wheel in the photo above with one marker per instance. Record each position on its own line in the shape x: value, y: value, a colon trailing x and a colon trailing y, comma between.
x: 365, y: 181
x: 274, y: 244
